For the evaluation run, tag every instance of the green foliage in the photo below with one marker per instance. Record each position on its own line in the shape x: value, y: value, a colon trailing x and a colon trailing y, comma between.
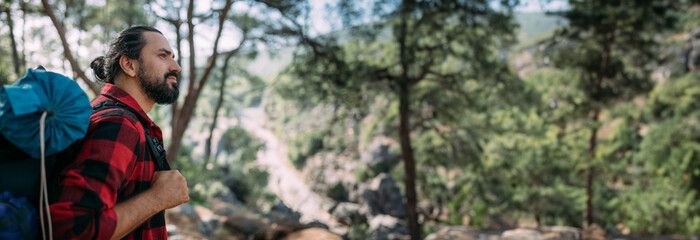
x: 184, y: 164
x: 337, y: 192
x: 304, y: 145
x: 241, y: 147
x: 358, y: 232
x: 689, y: 18
x: 676, y: 98
x: 7, y: 75
x: 245, y: 179
x: 658, y: 207
x: 666, y: 169
x: 249, y: 184
x: 429, y: 228
x: 365, y: 173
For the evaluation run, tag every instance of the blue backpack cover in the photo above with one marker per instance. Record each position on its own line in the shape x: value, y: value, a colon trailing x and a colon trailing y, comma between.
x: 64, y: 109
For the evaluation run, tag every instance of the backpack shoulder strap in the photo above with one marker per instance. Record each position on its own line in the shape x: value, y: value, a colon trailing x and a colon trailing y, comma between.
x: 153, y: 143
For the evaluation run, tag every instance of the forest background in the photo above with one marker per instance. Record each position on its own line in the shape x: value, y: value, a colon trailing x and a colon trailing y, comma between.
x: 489, y: 114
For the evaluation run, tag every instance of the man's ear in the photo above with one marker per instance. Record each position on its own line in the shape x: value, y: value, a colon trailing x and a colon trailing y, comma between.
x: 129, y: 66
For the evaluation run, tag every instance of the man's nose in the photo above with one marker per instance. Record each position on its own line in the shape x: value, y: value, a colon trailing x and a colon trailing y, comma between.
x: 174, y: 67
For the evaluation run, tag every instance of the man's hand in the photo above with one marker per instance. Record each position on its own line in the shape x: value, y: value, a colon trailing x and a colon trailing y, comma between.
x: 170, y: 187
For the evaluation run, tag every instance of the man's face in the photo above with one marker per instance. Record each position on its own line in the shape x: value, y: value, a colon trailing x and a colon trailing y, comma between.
x: 158, y: 69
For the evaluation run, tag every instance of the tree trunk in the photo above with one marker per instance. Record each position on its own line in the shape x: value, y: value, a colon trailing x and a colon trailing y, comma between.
x: 184, y: 113
x: 598, y: 86
x: 15, y: 53
x: 408, y: 162
x: 590, y: 171
x: 404, y: 83
x: 23, y: 6
x: 66, y: 48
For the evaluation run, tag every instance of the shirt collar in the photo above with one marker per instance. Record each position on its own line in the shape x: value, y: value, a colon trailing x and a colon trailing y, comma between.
x: 119, y: 95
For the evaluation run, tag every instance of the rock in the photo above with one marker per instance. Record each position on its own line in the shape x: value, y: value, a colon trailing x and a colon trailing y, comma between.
x: 453, y: 233
x: 229, y: 197
x: 593, y: 232
x: 280, y: 212
x: 521, y: 234
x: 328, y: 174
x: 349, y: 213
x: 315, y: 224
x: 377, y: 153
x: 209, y: 222
x: 561, y: 233
x: 225, y: 212
x: 692, y: 56
x: 383, y: 196
x: 185, y: 209
x: 244, y: 226
x: 205, y: 228
x: 184, y: 223
x: 385, y: 227
x: 171, y: 229
x: 312, y: 234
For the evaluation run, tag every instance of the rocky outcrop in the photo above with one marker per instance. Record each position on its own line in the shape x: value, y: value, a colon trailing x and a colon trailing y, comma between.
x: 385, y: 227
x: 453, y: 233
x: 377, y: 154
x: 224, y: 220
x: 692, y: 51
x: 521, y: 234
x: 383, y: 197
x: 312, y: 234
x: 350, y: 213
x: 593, y: 232
x: 281, y: 213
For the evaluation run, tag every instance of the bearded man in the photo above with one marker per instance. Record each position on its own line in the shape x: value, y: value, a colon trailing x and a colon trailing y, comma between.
x: 116, y: 188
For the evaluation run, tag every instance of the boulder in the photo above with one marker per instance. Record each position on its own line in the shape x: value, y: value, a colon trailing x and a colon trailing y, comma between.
x: 692, y: 51
x: 315, y: 224
x: 184, y: 209
x: 183, y: 222
x: 280, y: 212
x: 229, y: 197
x: 521, y: 234
x: 383, y: 197
x: 244, y: 226
x: 593, y: 232
x: 209, y: 222
x: 561, y: 233
x: 454, y: 233
x: 377, y: 153
x: 312, y: 234
x: 349, y: 213
x: 385, y: 227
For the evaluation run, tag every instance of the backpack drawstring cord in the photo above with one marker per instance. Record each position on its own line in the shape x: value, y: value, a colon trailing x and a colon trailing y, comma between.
x: 43, y: 191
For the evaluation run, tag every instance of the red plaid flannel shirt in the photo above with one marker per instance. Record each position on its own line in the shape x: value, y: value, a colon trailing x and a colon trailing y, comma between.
x: 112, y: 165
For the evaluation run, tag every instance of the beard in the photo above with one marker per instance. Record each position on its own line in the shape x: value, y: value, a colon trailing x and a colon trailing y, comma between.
x: 157, y: 88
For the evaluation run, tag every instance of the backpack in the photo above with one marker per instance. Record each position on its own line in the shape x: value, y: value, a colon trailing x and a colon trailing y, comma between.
x: 40, y: 115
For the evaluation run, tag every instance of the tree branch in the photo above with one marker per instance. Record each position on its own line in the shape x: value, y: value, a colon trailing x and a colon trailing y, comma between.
x: 66, y: 49
x: 212, y: 59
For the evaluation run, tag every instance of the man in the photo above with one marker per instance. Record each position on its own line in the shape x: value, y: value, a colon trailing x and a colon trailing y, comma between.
x: 114, y: 189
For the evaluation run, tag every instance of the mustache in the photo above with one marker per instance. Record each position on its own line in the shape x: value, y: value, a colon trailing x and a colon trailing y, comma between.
x: 174, y: 74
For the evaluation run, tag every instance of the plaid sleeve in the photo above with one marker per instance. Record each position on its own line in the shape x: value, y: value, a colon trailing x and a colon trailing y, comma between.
x: 90, y: 185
